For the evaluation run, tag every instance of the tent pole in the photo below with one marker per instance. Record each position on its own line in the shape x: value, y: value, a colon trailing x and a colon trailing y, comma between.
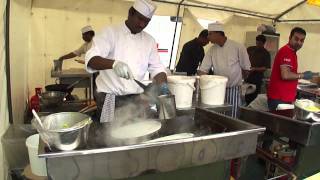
x: 288, y: 10
x: 175, y: 31
x: 299, y: 20
x: 7, y: 59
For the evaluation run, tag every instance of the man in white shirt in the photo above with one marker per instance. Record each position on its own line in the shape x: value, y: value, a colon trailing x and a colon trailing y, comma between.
x: 87, y: 35
x: 122, y: 53
x: 227, y: 58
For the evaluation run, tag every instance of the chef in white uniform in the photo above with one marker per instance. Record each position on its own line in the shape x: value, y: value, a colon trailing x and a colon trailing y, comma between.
x: 87, y: 35
x: 227, y: 58
x: 121, y: 53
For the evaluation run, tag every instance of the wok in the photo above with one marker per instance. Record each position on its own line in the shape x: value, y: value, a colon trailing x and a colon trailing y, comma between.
x: 59, y: 87
x: 67, y: 88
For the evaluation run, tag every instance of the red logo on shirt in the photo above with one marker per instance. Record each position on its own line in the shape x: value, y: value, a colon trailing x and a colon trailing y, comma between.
x: 286, y: 60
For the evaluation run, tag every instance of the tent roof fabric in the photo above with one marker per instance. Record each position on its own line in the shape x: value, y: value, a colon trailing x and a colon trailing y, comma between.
x: 274, y: 10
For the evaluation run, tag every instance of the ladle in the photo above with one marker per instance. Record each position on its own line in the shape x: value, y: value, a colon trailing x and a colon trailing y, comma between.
x: 37, y: 118
x: 40, y: 123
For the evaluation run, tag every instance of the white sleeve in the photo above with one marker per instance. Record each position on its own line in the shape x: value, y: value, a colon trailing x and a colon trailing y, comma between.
x: 244, y: 58
x: 80, y: 51
x: 154, y: 65
x: 207, y: 61
x: 101, y: 46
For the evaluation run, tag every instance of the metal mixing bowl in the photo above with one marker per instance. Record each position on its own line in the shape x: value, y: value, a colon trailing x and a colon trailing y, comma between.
x: 61, y: 135
x: 52, y: 98
x: 304, y: 115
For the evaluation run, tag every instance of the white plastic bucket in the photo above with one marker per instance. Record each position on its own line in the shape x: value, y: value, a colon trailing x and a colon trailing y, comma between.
x: 213, y: 89
x: 182, y: 87
x: 38, y: 165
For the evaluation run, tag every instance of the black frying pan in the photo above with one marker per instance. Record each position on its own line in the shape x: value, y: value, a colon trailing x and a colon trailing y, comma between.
x: 67, y: 88
x: 59, y: 87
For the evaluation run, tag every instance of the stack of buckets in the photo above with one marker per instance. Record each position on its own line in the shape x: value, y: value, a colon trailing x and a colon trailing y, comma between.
x: 213, y: 89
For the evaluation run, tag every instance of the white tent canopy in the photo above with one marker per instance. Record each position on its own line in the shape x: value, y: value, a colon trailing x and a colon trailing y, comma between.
x: 274, y: 10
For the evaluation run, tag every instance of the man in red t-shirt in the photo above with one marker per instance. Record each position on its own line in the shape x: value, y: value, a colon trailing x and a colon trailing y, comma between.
x: 284, y: 77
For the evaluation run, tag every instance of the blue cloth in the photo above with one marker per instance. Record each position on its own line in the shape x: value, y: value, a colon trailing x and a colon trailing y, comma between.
x: 307, y: 75
x: 164, y: 90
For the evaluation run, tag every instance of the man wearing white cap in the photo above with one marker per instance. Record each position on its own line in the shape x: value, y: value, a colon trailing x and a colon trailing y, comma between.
x: 227, y: 58
x: 121, y: 54
x: 87, y: 35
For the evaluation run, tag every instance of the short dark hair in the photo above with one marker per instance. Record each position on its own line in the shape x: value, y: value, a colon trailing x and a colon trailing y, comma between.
x: 203, y: 33
x: 261, y: 38
x: 297, y: 30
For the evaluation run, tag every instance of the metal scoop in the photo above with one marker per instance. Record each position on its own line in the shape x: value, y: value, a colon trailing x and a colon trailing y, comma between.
x: 144, y: 87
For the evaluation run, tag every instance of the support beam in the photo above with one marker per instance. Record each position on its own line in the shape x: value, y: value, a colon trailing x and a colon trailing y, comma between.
x: 175, y: 31
x: 276, y: 19
x: 221, y: 8
x: 7, y: 59
x: 299, y: 20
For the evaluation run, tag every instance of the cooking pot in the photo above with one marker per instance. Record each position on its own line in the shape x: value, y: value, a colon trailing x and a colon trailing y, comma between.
x: 302, y: 113
x: 52, y: 98
x: 62, y: 135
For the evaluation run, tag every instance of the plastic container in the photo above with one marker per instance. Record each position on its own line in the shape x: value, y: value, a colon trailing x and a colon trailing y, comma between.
x: 213, y: 89
x: 38, y: 165
x: 182, y: 87
x: 13, y: 143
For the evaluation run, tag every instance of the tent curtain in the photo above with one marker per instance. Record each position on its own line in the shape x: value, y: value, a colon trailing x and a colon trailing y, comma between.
x: 4, y: 117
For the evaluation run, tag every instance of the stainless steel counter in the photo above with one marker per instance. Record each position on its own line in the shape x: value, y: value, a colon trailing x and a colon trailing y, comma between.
x: 218, y: 138
x: 306, y: 133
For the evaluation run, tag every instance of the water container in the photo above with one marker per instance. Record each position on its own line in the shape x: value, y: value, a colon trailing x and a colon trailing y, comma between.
x: 213, y: 89
x: 182, y: 87
x: 38, y: 165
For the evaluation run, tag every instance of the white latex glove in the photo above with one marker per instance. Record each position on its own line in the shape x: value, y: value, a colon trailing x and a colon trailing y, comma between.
x: 122, y: 70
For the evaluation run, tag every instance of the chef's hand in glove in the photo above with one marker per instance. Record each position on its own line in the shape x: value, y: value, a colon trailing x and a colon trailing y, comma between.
x: 164, y: 90
x: 307, y: 75
x: 122, y: 70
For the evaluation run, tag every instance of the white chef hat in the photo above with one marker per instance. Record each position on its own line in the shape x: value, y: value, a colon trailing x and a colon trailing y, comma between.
x: 216, y: 26
x: 145, y: 7
x: 86, y: 29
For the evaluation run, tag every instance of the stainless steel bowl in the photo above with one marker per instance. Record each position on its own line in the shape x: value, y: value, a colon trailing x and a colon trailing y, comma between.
x: 52, y: 98
x: 66, y: 138
x: 304, y: 115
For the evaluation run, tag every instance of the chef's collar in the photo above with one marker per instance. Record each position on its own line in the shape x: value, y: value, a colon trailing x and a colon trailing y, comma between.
x: 126, y: 29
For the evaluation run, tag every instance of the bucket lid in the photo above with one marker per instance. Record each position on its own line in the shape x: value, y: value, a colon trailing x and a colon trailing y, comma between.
x: 181, y: 79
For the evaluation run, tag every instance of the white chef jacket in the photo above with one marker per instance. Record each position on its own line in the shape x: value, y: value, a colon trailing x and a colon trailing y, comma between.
x: 139, y: 51
x: 227, y: 61
x: 83, y: 48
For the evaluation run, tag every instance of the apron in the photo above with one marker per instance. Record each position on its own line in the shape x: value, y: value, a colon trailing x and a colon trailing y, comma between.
x: 233, y: 97
x: 124, y: 108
